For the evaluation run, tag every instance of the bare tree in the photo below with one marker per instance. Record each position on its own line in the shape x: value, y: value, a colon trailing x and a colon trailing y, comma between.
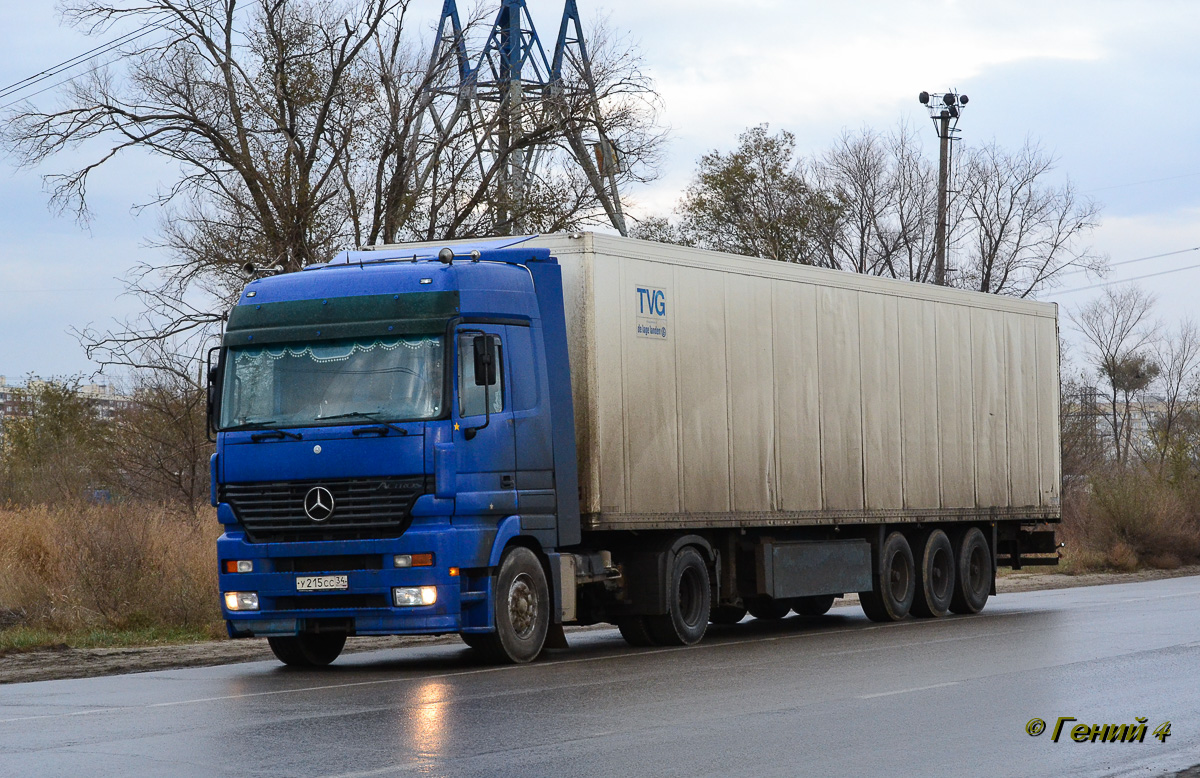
x: 1178, y: 356
x: 1120, y: 334
x: 886, y: 193
x: 1018, y: 232
x: 159, y: 442
x: 301, y: 127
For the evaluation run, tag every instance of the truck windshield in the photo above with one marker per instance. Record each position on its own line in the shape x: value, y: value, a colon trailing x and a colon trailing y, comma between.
x: 334, y: 382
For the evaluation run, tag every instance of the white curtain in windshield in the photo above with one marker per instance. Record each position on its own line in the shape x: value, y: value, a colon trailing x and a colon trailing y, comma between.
x: 384, y: 379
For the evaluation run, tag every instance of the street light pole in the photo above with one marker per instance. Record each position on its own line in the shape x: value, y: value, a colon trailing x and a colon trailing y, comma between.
x: 939, y: 240
x: 950, y: 110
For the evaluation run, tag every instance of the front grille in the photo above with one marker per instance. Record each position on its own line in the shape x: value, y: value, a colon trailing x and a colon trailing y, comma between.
x: 328, y: 564
x: 364, y: 508
x: 330, y: 602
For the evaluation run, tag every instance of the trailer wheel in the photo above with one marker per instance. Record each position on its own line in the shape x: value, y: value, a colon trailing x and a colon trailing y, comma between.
x: 897, y: 582
x: 768, y: 608
x: 727, y: 614
x: 633, y: 629
x: 935, y: 577
x: 522, y: 606
x: 817, y: 605
x: 688, y: 602
x: 307, y: 649
x: 974, y: 568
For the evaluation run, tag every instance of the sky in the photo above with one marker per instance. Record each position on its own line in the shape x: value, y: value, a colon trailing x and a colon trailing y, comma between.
x: 1109, y: 88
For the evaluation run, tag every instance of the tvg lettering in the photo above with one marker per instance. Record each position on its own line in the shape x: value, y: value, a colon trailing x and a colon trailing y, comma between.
x: 652, y: 301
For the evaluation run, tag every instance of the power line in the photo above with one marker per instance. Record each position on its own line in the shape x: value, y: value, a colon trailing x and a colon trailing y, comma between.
x: 155, y: 22
x: 1131, y: 261
x: 1127, y: 280
x: 54, y: 70
x: 1139, y: 183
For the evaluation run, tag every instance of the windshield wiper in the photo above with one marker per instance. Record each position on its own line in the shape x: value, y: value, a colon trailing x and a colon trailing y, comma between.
x: 276, y: 434
x: 380, y: 428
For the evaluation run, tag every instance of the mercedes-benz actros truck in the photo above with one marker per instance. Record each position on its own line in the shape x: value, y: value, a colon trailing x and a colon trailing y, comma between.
x: 500, y: 438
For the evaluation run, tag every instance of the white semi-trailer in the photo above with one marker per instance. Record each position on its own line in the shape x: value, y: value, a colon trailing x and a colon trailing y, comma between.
x: 500, y: 438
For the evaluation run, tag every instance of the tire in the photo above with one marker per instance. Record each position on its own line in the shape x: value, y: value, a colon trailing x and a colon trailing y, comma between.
x: 633, y: 629
x: 727, y: 614
x: 307, y: 649
x: 973, y: 566
x: 897, y: 582
x: 935, y: 577
x: 817, y: 605
x: 689, y: 601
x: 521, y: 602
x: 768, y: 608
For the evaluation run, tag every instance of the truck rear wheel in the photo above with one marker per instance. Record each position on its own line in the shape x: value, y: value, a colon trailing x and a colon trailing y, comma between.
x: 633, y: 629
x: 897, y: 582
x: 935, y: 577
x: 973, y: 559
x: 522, y: 605
x: 306, y: 649
x: 817, y: 605
x: 688, y: 602
x: 767, y: 608
x: 727, y: 614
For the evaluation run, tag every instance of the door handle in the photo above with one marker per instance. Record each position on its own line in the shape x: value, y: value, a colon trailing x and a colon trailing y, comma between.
x: 506, y: 482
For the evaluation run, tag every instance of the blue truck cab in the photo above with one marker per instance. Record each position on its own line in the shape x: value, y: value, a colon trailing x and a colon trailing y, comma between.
x: 392, y: 428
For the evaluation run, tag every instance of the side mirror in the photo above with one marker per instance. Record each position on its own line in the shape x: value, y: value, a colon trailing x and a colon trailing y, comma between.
x: 211, y: 393
x: 485, y: 360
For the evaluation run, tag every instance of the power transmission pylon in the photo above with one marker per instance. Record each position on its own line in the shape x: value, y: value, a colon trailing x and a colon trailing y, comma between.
x: 527, y: 89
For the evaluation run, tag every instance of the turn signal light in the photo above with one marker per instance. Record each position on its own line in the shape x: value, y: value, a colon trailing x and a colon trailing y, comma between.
x: 413, y: 560
x: 239, y: 565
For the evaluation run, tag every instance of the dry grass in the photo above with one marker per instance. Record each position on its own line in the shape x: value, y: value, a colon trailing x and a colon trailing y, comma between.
x: 1126, y: 521
x: 107, y: 570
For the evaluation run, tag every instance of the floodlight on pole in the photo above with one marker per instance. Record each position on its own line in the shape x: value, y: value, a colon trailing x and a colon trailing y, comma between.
x: 944, y: 110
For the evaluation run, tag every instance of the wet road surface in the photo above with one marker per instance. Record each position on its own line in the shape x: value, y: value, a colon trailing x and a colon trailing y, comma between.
x: 837, y: 695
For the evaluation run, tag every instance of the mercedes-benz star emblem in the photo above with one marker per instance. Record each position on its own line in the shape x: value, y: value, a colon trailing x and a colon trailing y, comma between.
x: 318, y: 503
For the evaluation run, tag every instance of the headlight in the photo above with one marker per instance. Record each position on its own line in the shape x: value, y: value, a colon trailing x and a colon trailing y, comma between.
x: 239, y: 566
x: 241, y: 601
x: 406, y: 596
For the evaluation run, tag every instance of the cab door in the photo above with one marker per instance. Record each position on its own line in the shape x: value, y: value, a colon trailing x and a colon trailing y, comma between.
x: 483, y: 424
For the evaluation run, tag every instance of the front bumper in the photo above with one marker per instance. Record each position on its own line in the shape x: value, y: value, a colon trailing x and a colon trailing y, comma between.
x: 366, y: 606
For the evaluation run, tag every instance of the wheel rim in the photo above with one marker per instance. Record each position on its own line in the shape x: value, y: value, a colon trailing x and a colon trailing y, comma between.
x: 976, y: 564
x: 899, y: 579
x: 939, y: 574
x: 690, y: 599
x: 522, y: 606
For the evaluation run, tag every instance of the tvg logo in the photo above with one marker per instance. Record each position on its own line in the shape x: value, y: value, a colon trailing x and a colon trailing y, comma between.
x: 652, y: 301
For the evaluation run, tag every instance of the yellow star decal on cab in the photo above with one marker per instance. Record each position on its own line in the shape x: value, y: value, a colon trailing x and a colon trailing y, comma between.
x: 456, y: 426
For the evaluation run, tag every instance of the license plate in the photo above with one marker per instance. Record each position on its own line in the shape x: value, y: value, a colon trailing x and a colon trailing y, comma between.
x: 322, y: 583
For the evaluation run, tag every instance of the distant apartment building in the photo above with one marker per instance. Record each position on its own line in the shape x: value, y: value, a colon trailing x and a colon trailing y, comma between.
x: 104, y: 399
x: 1144, y: 415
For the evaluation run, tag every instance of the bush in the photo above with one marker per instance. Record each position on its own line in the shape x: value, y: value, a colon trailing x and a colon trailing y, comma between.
x: 120, y: 566
x: 1125, y: 520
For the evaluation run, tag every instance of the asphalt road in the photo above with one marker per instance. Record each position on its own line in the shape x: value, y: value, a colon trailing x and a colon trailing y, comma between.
x: 831, y: 696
